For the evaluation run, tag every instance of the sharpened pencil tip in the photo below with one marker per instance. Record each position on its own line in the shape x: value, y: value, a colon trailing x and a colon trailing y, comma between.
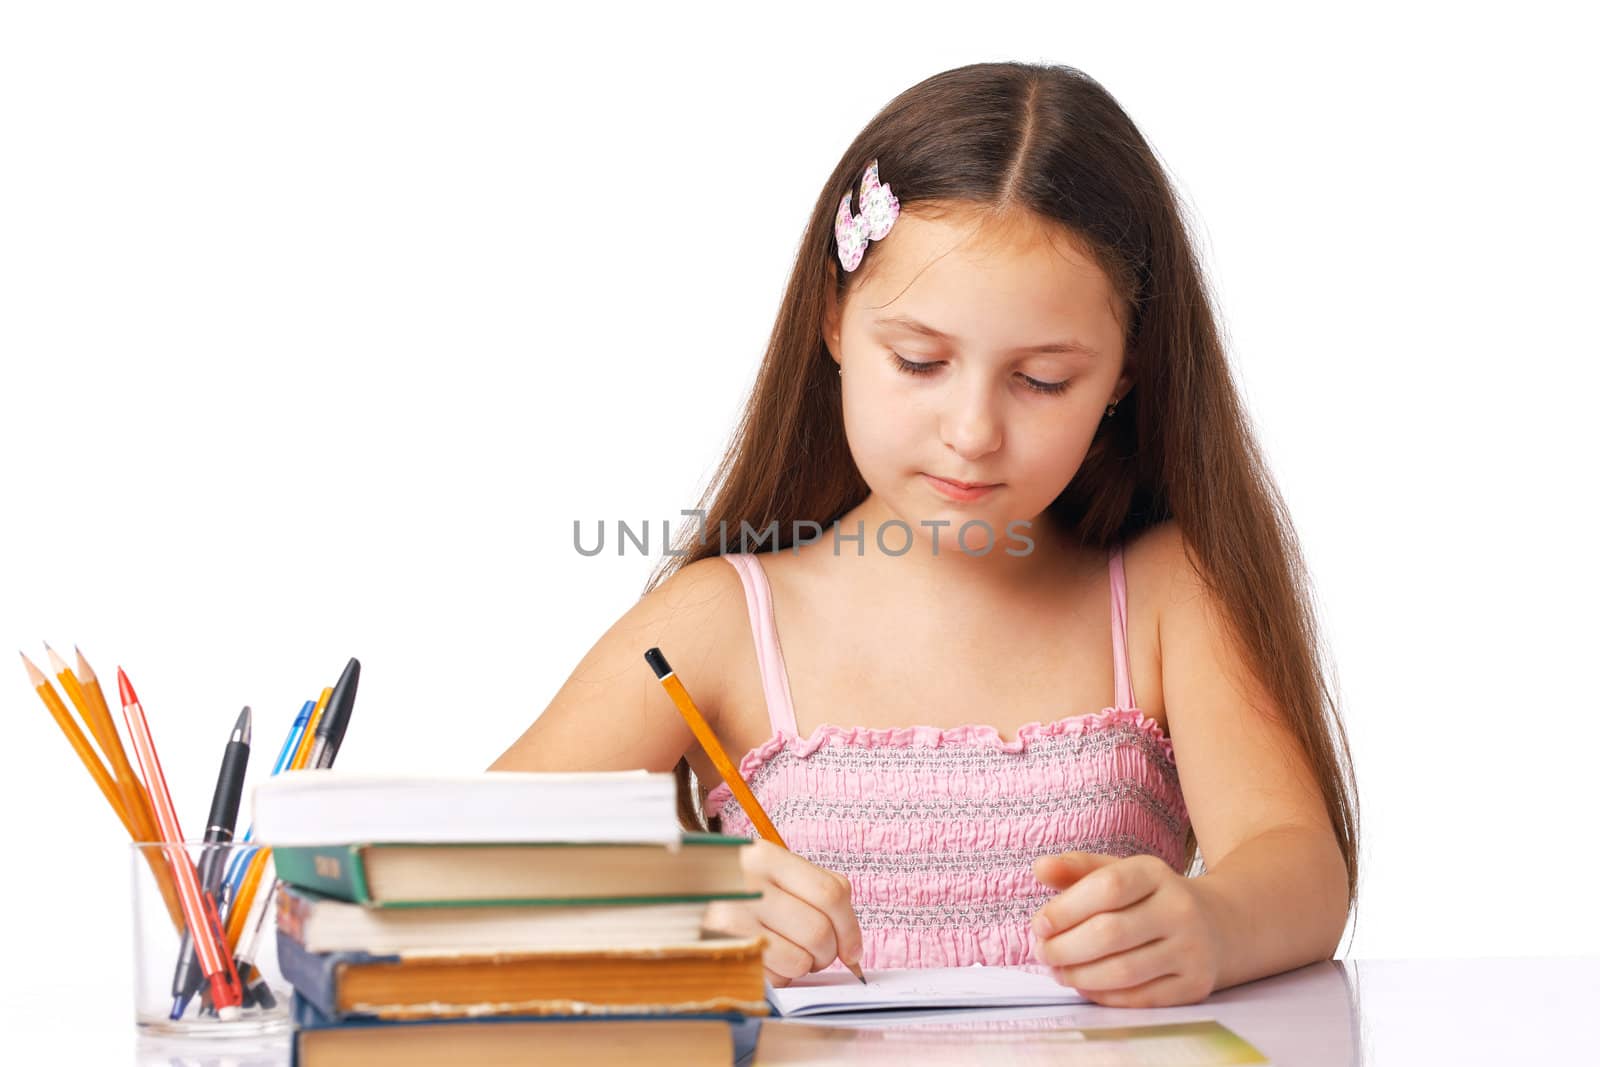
x: 35, y: 675
x: 57, y: 664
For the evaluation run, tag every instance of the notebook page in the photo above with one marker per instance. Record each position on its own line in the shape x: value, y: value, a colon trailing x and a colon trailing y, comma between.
x: 921, y: 987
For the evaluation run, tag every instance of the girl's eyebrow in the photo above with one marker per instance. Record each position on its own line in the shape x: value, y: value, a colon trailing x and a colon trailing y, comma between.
x: 909, y: 323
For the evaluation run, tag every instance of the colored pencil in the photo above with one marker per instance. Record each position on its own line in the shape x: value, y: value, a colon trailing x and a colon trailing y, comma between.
x: 91, y: 704
x: 238, y: 914
x: 719, y: 756
x: 302, y: 755
x: 198, y: 908
x: 134, y: 800
x: 80, y: 745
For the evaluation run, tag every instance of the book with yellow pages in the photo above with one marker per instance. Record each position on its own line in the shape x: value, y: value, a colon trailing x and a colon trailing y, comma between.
x: 717, y: 974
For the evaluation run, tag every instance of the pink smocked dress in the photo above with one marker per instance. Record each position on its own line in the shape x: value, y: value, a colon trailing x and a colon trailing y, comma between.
x: 937, y: 830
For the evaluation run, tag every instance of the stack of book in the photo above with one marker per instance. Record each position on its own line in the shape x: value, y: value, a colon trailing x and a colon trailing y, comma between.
x: 503, y: 917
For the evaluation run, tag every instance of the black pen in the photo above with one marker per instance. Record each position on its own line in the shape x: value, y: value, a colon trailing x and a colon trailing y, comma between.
x: 335, y: 717
x: 186, y: 978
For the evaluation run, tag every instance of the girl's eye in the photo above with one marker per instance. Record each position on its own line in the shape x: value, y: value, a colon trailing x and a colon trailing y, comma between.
x: 1048, y: 388
x: 911, y: 366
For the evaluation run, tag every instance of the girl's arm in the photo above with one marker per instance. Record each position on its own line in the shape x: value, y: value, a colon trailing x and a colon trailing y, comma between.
x: 1131, y: 931
x: 612, y: 713
x: 1273, y: 866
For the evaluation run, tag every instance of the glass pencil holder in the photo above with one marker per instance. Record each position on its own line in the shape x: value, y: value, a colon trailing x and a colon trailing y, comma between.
x: 229, y: 986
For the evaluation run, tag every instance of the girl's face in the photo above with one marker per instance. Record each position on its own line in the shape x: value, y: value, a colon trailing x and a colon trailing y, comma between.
x: 983, y: 358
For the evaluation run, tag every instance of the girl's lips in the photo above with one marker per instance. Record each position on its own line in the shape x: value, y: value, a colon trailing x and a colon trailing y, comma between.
x: 959, y: 493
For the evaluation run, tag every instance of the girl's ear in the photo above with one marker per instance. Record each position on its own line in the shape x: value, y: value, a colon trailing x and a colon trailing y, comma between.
x: 1124, y: 385
x: 830, y: 318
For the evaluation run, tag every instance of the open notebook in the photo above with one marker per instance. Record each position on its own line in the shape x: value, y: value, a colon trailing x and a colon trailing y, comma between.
x: 830, y: 992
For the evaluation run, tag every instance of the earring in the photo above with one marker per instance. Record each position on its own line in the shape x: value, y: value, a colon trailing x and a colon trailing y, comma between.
x: 841, y: 370
x: 1111, y: 408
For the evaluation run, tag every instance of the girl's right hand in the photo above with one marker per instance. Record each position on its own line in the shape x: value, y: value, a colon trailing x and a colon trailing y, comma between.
x: 804, y: 913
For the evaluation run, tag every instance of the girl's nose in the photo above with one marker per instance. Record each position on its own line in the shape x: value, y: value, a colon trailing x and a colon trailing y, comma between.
x: 971, y: 422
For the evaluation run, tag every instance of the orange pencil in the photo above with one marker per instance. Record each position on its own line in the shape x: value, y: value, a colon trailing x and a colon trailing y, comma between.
x: 80, y: 744
x: 730, y: 774
x: 91, y: 705
x: 89, y: 683
x: 302, y: 753
x: 105, y: 734
x: 247, y: 892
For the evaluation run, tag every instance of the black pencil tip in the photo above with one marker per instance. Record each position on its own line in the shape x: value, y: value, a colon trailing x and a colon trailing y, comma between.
x: 658, y: 663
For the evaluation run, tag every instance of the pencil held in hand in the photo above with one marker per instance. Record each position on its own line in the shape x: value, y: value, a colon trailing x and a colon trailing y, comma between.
x: 708, y: 741
x: 719, y: 756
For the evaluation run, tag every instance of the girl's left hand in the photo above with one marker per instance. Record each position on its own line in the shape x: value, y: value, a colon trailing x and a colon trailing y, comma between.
x: 1127, y: 932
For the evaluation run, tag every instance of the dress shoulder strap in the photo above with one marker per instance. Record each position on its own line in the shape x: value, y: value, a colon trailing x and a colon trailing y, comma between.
x: 1119, y: 632
x: 769, y: 657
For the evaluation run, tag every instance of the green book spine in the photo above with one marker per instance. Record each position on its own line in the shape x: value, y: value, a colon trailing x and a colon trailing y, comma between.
x: 339, y: 871
x: 333, y: 870
x: 700, y: 837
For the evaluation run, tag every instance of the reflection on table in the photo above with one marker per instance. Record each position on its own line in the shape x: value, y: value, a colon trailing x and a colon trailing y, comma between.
x: 1330, y: 1014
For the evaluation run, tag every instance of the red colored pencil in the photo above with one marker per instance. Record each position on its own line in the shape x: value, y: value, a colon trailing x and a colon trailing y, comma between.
x: 199, y: 910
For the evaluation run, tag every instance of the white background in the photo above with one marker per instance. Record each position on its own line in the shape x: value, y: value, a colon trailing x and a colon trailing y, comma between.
x: 320, y: 325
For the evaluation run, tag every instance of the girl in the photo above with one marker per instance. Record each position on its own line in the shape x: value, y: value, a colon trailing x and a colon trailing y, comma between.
x: 995, y: 425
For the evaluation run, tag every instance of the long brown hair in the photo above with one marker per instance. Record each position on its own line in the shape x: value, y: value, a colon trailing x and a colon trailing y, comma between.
x: 1050, y: 143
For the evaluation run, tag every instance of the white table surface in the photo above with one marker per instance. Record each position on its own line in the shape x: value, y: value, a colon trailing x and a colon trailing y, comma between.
x: 1345, y: 1012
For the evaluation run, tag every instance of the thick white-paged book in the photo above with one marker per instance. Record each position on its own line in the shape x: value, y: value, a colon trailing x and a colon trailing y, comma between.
x: 329, y: 807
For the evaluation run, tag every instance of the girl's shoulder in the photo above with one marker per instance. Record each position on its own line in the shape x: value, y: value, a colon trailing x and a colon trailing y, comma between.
x: 1155, y: 571
x: 1153, y: 558
x: 1157, y: 568
x: 700, y: 608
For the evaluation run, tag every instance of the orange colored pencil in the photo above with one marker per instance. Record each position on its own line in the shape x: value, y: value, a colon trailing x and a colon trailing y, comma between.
x: 89, y: 684
x: 719, y: 756
x: 105, y: 734
x: 91, y: 705
x: 80, y: 744
x: 247, y: 892
x: 302, y: 752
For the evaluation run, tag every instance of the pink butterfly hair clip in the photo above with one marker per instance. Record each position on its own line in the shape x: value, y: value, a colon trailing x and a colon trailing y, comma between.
x: 879, y: 209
